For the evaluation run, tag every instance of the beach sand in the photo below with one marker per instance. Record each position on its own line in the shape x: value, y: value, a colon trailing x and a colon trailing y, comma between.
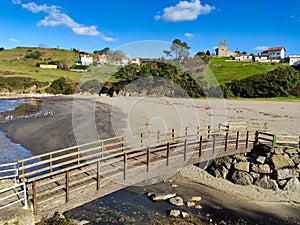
x: 80, y: 119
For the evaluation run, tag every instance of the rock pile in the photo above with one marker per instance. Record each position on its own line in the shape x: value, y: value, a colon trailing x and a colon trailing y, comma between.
x: 177, y: 201
x: 270, y: 168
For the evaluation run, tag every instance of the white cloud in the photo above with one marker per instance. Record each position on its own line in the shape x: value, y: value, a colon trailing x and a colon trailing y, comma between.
x: 16, y: 2
x: 261, y: 48
x: 57, y: 18
x: 189, y: 35
x: 185, y: 11
x: 108, y: 39
x: 14, y: 40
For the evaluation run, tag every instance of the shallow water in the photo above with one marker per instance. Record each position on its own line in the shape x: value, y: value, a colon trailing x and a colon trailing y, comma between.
x: 9, y: 151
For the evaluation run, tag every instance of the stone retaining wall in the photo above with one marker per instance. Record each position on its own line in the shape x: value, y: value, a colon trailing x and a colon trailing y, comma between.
x: 270, y: 168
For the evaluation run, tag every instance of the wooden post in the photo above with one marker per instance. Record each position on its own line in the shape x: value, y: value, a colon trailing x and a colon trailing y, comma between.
x: 98, y: 176
x: 173, y: 133
x: 247, y: 138
x: 265, y: 127
x: 125, y: 165
x: 148, y: 159
x: 200, y: 146
x: 237, y: 140
x: 78, y: 155
x: 122, y: 141
x: 274, y: 140
x: 101, y: 149
x: 198, y: 131
x: 299, y: 142
x: 23, y: 171
x: 67, y: 187
x: 185, y: 148
x: 158, y: 136
x: 214, y: 144
x: 34, y: 199
x: 168, y: 153
x: 226, y: 141
x: 141, y: 139
x: 256, y: 137
x: 50, y: 163
x: 208, y: 131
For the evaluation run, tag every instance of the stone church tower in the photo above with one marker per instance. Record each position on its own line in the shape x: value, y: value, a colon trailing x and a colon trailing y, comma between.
x: 223, y: 51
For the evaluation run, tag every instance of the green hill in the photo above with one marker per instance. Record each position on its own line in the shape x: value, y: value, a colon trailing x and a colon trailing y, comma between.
x: 20, y: 71
x: 227, y: 71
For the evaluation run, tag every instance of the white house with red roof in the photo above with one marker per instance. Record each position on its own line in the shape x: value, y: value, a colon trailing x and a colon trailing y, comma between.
x: 85, y: 59
x: 276, y: 53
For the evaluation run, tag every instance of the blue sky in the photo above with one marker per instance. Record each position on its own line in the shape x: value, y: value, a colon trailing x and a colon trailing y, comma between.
x: 145, y: 28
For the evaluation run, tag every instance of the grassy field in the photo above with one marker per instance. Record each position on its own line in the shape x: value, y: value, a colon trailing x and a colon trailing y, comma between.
x: 14, y: 64
x: 228, y: 71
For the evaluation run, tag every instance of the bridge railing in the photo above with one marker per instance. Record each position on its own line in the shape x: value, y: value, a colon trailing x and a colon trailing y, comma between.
x: 273, y: 140
x: 63, y: 171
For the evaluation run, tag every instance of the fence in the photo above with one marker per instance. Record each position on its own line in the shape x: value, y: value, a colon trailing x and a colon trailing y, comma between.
x: 11, y: 195
x: 9, y: 170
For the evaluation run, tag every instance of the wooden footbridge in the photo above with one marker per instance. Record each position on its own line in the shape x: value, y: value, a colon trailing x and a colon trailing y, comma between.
x: 61, y: 180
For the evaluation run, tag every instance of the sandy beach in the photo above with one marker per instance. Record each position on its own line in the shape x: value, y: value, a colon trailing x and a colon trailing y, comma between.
x: 80, y: 119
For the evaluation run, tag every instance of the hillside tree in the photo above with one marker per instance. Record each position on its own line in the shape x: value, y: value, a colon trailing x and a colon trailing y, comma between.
x: 179, y: 50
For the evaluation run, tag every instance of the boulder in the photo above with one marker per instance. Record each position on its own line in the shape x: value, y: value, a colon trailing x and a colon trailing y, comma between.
x: 196, y: 198
x: 292, y: 185
x: 162, y: 196
x: 278, y: 151
x: 174, y: 212
x: 241, y: 158
x: 190, y: 204
x: 219, y: 171
x: 185, y: 215
x: 261, y: 159
x: 261, y: 168
x: 286, y: 173
x: 198, y: 206
x: 177, y: 201
x: 281, y: 161
x: 281, y: 182
x: 225, y: 161
x: 243, y: 166
x: 296, y: 159
x: 291, y: 151
x: 242, y: 178
x: 255, y: 175
x: 267, y: 183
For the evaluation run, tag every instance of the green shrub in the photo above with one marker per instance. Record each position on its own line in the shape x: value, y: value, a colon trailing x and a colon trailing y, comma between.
x: 276, y: 83
x: 60, y: 86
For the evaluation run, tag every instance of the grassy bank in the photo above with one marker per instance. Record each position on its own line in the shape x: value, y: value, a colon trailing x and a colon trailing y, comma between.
x: 227, y: 71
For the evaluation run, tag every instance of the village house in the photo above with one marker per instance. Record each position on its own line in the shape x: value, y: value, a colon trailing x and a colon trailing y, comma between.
x: 294, y: 60
x: 47, y: 66
x: 85, y: 59
x: 276, y: 53
x: 136, y: 61
x: 244, y: 57
x: 102, y: 59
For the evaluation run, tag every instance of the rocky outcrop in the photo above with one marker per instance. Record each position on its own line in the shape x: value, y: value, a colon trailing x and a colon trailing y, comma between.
x: 270, y: 168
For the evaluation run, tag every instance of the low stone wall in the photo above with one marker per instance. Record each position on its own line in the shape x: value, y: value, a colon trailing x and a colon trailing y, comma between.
x: 270, y: 168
